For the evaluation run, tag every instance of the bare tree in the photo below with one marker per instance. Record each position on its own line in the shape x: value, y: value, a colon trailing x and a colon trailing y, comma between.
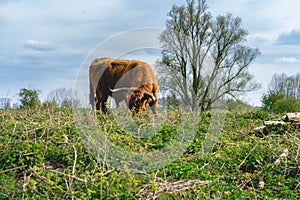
x: 289, y: 86
x: 5, y: 103
x: 204, y: 59
x: 277, y: 82
x: 64, y: 97
x: 297, y: 85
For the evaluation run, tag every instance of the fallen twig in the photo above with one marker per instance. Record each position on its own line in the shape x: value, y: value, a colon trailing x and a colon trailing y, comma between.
x: 12, y: 169
x: 170, y: 187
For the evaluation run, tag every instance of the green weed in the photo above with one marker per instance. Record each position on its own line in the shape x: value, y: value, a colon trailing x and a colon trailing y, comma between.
x: 43, y: 156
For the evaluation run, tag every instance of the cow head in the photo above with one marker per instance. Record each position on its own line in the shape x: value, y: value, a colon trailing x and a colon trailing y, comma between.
x: 136, y: 99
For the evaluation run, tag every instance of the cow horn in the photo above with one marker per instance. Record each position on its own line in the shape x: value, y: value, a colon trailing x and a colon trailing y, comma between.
x: 149, y: 95
x: 123, y: 89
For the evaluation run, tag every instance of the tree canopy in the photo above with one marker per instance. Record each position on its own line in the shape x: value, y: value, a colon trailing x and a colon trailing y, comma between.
x: 29, y: 98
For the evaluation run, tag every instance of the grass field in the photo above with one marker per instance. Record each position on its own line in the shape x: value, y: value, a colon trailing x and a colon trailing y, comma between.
x: 43, y: 156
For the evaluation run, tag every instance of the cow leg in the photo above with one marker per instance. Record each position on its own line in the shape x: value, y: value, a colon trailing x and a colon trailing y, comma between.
x: 103, y: 103
x: 98, y: 104
x: 92, y: 95
x: 92, y: 102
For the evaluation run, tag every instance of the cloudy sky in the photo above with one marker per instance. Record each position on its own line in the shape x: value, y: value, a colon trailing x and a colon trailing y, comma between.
x: 44, y: 43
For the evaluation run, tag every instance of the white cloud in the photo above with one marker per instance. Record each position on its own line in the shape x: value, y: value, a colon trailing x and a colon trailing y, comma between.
x: 289, y: 60
x: 37, y: 45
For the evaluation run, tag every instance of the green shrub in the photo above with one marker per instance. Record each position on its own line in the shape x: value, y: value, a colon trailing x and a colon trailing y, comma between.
x: 286, y: 105
x: 278, y: 103
x: 50, y: 104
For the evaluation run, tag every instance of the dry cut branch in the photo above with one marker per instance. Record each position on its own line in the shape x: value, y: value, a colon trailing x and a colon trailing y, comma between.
x: 170, y: 187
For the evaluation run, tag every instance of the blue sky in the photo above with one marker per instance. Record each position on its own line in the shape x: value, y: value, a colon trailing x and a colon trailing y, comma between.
x: 43, y: 43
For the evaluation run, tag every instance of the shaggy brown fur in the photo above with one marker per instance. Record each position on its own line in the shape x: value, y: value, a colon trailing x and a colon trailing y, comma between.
x: 106, y: 74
